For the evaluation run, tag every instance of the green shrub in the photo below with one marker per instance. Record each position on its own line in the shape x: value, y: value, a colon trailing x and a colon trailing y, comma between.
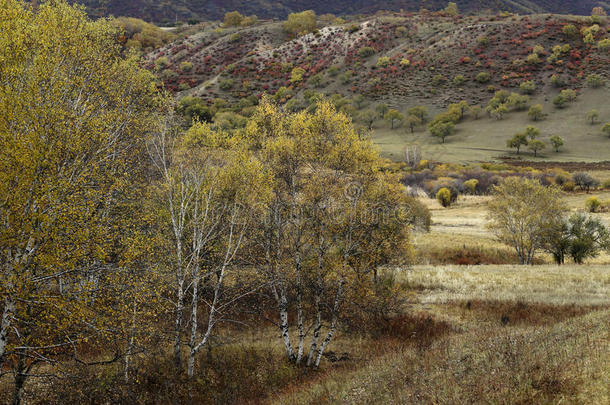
x: 527, y: 87
x: 483, y: 77
x: 594, y: 81
x: 226, y: 84
x: 606, y: 184
x: 366, y: 51
x: 186, y: 66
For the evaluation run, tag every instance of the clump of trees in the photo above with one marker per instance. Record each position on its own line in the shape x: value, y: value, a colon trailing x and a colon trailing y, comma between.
x: 301, y: 23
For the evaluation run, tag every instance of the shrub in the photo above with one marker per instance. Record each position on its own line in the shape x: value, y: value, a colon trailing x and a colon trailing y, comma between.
x: 443, y: 196
x: 384, y: 61
x: 458, y: 80
x: 366, y: 52
x: 560, y: 101
x: 226, y: 84
x: 405, y: 62
x: 161, y: 63
x: 606, y: 128
x: 438, y: 80
x: 594, y: 81
x: 483, y: 77
x: 300, y: 23
x: 603, y: 44
x: 535, y: 112
x: 186, y: 66
x: 592, y: 204
x: 471, y: 186
x: 333, y: 71
x: 248, y: 21
x: 570, y: 30
x: 483, y: 41
x: 557, y: 81
x: 585, y: 181
x: 297, y: 74
x: 568, y: 186
x: 527, y: 87
x: 606, y: 184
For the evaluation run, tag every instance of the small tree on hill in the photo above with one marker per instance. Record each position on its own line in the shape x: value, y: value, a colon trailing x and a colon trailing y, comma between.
x: 517, y: 141
x: 594, y: 80
x: 527, y: 87
x: 606, y: 129
x: 419, y: 111
x: 382, y: 109
x: 452, y: 9
x: 300, y: 23
x: 557, y: 142
x: 233, y: 19
x: 532, y: 132
x: 535, y: 112
x: 413, y: 121
x: 442, y: 129
x: 393, y: 117
x: 535, y: 146
x: 592, y: 116
x: 368, y: 117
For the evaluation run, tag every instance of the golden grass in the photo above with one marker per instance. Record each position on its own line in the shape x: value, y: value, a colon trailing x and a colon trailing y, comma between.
x: 568, y: 284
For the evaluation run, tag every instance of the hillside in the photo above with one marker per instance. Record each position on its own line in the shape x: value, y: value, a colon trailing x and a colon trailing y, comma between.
x: 170, y: 10
x: 405, y: 60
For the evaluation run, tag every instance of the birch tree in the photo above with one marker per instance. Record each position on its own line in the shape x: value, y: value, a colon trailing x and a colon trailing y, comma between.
x: 206, y: 183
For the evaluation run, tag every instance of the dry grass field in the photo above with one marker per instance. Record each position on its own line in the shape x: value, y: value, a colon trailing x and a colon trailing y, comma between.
x: 519, y: 335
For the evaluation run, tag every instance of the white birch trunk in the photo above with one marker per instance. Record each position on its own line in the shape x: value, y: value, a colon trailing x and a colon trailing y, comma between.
x: 333, y: 325
x: 5, y: 324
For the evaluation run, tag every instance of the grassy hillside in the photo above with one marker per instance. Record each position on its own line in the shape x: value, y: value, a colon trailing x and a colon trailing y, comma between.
x: 485, y: 139
x: 169, y: 10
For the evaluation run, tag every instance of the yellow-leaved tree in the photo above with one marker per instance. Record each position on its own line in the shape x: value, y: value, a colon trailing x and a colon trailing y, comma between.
x: 74, y: 116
